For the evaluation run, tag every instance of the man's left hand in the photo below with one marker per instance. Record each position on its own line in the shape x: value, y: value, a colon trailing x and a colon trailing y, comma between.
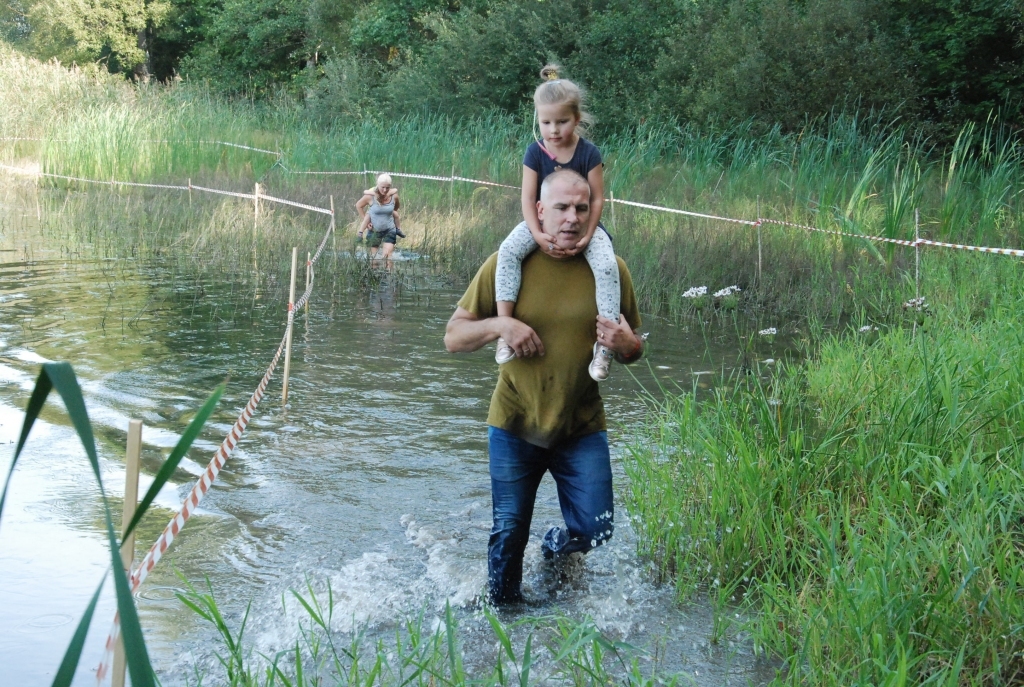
x: 617, y: 336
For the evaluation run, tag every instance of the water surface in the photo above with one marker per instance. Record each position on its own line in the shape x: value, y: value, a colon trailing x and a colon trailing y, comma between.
x: 374, y: 478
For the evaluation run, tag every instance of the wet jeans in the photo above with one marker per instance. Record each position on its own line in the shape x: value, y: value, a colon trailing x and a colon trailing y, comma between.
x: 582, y: 471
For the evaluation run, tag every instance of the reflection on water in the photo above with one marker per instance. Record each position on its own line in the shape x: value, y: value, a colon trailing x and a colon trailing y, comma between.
x: 374, y: 479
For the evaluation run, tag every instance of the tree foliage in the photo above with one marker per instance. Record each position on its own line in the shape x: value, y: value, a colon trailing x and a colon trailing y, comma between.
x: 777, y: 62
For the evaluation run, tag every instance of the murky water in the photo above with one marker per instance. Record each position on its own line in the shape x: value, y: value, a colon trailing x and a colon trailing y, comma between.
x: 374, y: 478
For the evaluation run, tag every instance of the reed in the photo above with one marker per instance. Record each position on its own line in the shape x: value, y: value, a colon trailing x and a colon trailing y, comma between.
x: 864, y: 506
x: 528, y: 651
x: 865, y: 176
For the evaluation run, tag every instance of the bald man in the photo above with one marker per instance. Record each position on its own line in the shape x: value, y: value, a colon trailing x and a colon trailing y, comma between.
x: 546, y: 413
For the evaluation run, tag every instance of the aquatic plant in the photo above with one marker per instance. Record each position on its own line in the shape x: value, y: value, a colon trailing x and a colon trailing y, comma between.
x: 865, y: 505
x: 61, y: 377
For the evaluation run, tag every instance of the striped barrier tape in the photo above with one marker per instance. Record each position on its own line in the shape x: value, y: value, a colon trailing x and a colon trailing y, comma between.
x: 485, y: 183
x: 682, y: 212
x: 866, y: 237
x: 215, y: 143
x: 213, y: 469
x: 978, y: 249
x: 311, y: 208
x: 234, y: 194
x: 31, y: 173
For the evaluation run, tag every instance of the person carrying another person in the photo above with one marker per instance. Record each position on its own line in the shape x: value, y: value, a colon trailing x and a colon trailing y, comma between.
x: 558, y: 110
x: 546, y: 411
x: 378, y: 210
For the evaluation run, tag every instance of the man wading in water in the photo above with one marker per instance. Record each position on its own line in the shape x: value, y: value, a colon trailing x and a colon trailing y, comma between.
x: 546, y: 412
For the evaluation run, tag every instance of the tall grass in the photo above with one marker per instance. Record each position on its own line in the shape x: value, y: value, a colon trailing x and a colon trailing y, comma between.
x: 863, y: 176
x: 528, y: 651
x: 868, y: 504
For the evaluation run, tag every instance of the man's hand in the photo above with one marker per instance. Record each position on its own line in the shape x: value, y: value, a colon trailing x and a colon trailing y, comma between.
x: 466, y: 333
x: 617, y: 336
x: 520, y: 337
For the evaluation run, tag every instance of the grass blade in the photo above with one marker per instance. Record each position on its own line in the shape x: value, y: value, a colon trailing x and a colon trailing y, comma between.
x: 171, y: 464
x: 66, y: 672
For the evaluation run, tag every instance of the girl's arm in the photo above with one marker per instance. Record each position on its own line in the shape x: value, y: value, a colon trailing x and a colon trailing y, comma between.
x: 529, y: 202
x: 596, y: 179
x: 364, y: 216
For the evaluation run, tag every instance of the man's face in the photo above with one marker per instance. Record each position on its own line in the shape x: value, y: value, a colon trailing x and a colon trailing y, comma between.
x: 563, y: 211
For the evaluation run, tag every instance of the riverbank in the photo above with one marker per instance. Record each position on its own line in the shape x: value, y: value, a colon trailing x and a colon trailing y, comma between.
x: 857, y: 176
x: 864, y: 507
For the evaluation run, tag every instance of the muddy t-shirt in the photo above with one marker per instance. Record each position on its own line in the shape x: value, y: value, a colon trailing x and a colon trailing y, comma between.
x: 546, y: 400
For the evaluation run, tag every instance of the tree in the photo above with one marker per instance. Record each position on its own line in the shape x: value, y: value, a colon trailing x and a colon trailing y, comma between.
x: 110, y: 31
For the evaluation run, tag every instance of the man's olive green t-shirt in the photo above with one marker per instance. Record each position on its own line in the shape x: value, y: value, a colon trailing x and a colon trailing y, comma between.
x: 548, y: 399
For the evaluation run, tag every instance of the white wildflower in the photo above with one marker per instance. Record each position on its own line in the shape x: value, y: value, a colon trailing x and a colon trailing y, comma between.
x: 770, y: 331
x: 867, y: 329
x: 727, y: 291
x: 695, y: 292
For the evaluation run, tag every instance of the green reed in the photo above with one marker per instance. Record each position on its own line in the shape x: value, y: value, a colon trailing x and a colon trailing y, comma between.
x: 863, y: 176
x: 532, y: 650
x: 865, y: 505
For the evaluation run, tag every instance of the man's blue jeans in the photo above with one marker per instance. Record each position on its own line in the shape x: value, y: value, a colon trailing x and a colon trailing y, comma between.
x: 582, y: 471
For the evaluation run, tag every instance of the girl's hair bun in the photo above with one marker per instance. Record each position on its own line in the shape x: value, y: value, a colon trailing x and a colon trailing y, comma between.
x: 549, y: 72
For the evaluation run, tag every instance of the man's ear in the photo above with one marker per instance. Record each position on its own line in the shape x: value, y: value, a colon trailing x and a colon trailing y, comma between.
x: 540, y: 212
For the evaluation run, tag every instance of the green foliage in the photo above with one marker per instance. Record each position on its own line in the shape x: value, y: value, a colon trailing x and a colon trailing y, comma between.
x: 85, y: 31
x: 866, y: 503
x: 251, y: 46
x: 61, y: 377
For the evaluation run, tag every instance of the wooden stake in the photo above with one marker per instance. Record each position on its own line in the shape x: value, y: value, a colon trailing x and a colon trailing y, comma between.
x: 306, y: 306
x: 759, y: 240
x: 288, y: 336
x: 917, y: 253
x: 131, y: 500
x: 334, y: 225
x: 451, y: 194
x: 256, y: 208
x: 615, y: 227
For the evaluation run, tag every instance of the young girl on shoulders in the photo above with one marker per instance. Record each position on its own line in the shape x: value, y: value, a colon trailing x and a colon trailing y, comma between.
x: 560, y: 116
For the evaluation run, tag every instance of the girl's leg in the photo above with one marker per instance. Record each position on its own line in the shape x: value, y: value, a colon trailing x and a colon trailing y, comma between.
x: 601, y: 256
x: 516, y: 246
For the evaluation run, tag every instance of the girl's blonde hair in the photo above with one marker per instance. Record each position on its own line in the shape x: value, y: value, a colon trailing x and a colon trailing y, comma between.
x: 558, y: 91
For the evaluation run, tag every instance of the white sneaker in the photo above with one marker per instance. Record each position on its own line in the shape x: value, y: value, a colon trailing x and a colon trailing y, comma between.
x: 601, y: 365
x: 504, y: 352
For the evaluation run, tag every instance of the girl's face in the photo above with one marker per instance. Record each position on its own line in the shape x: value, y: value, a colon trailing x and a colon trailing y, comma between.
x: 557, y: 123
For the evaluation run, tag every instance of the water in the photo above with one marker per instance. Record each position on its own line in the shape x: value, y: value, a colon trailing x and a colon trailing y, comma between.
x: 374, y: 479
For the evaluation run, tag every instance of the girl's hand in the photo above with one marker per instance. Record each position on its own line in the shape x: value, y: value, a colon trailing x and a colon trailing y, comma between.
x: 547, y: 244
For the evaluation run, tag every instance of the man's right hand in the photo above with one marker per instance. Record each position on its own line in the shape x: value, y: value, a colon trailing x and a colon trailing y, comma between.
x: 521, y: 337
x: 466, y: 332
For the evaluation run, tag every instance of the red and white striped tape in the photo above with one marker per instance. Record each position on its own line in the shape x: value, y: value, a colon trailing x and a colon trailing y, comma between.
x: 660, y: 208
x: 213, y: 469
x: 311, y: 208
x: 978, y: 249
x: 881, y: 239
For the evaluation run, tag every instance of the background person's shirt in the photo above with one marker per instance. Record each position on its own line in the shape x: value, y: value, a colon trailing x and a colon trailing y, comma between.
x: 546, y: 400
x: 584, y: 158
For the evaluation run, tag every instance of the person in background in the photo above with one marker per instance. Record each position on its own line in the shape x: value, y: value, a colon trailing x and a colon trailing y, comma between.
x: 379, y: 217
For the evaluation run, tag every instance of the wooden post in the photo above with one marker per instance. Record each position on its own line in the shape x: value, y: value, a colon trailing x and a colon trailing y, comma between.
x: 451, y: 194
x: 917, y: 253
x: 190, y: 192
x: 334, y: 225
x: 288, y: 336
x: 256, y: 208
x: 131, y: 500
x: 611, y: 202
x: 308, y: 262
x: 759, y: 240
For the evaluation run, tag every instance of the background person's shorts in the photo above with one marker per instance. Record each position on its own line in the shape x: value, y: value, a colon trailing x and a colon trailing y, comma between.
x: 376, y: 238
